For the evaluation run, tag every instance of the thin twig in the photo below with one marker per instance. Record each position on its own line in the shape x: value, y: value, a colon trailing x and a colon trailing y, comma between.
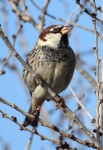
x: 28, y: 146
x: 42, y: 16
x: 55, y: 97
x: 101, y: 90
x: 96, y: 72
x: 26, y: 17
x: 80, y: 103
x: 43, y: 123
x: 14, y: 119
x: 93, y: 15
x: 70, y: 16
x: 86, y: 75
x: 6, y: 61
x: 98, y: 8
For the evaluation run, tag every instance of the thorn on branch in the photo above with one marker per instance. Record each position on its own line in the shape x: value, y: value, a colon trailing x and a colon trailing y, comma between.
x: 95, y: 91
x: 70, y: 127
x: 62, y: 146
x: 99, y: 60
x: 2, y: 72
x: 13, y: 11
x: 71, y: 136
x: 97, y: 33
x: 65, y: 146
x: 58, y: 147
x: 86, y: 10
x: 13, y: 118
x: 35, y: 131
x: 21, y: 26
x: 4, y: 60
x: 26, y: 7
x: 93, y: 20
x: 100, y: 82
x: 95, y: 74
x: 101, y: 101
x: 79, y: 107
x: 61, y: 138
x: 20, y: 16
x: 99, y: 8
x: 21, y: 128
x: 100, y: 133
x: 14, y: 36
x: 48, y: 100
x: 42, y: 138
x: 94, y: 15
x: 94, y: 48
x: 87, y: 143
x: 93, y: 145
x: 54, y: 128
x: 4, y: 115
x: 16, y: 3
x: 42, y: 124
x: 93, y: 120
x: 94, y: 130
x: 77, y: 1
x: 14, y: 106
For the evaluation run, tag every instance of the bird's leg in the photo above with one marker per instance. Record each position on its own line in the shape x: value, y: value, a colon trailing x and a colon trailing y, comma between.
x: 59, y: 103
x: 38, y: 78
x: 37, y: 112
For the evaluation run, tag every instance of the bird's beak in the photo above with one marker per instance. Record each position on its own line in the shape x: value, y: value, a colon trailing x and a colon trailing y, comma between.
x: 66, y: 30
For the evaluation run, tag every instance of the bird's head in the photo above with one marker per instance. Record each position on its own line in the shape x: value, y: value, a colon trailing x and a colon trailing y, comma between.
x: 54, y: 35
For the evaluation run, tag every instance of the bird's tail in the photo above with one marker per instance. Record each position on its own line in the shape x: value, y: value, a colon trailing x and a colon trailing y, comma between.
x: 33, y: 110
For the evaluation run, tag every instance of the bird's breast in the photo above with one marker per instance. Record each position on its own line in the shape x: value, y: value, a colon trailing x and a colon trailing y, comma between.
x: 55, y: 66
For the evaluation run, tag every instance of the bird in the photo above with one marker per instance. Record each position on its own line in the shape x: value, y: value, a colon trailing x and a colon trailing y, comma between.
x: 53, y: 59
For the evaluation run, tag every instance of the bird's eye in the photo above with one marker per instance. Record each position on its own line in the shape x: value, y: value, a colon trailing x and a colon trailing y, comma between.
x: 56, y: 30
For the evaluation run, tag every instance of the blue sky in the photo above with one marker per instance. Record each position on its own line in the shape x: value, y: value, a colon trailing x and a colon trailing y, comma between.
x: 12, y: 90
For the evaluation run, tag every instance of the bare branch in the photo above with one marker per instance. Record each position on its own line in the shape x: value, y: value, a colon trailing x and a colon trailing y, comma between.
x: 53, y: 127
x: 14, y: 119
x: 86, y: 75
x: 6, y: 60
x: 26, y: 17
x: 93, y: 15
x: 80, y: 103
x: 56, y: 98
x: 29, y: 142
x: 95, y: 48
x: 42, y: 16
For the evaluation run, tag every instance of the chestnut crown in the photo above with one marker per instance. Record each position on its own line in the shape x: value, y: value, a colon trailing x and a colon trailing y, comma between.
x: 53, y: 35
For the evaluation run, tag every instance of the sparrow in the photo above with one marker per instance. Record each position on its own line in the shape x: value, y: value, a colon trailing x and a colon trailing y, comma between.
x: 52, y: 58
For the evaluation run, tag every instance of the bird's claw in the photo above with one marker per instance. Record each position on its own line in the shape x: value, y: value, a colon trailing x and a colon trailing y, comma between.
x: 37, y: 112
x: 38, y: 78
x: 60, y: 103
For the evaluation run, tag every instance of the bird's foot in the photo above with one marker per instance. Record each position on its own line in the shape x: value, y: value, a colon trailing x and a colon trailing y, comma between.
x: 37, y: 112
x: 60, y: 103
x: 38, y: 78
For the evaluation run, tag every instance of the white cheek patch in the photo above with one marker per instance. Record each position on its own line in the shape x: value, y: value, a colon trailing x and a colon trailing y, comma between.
x: 52, y: 40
